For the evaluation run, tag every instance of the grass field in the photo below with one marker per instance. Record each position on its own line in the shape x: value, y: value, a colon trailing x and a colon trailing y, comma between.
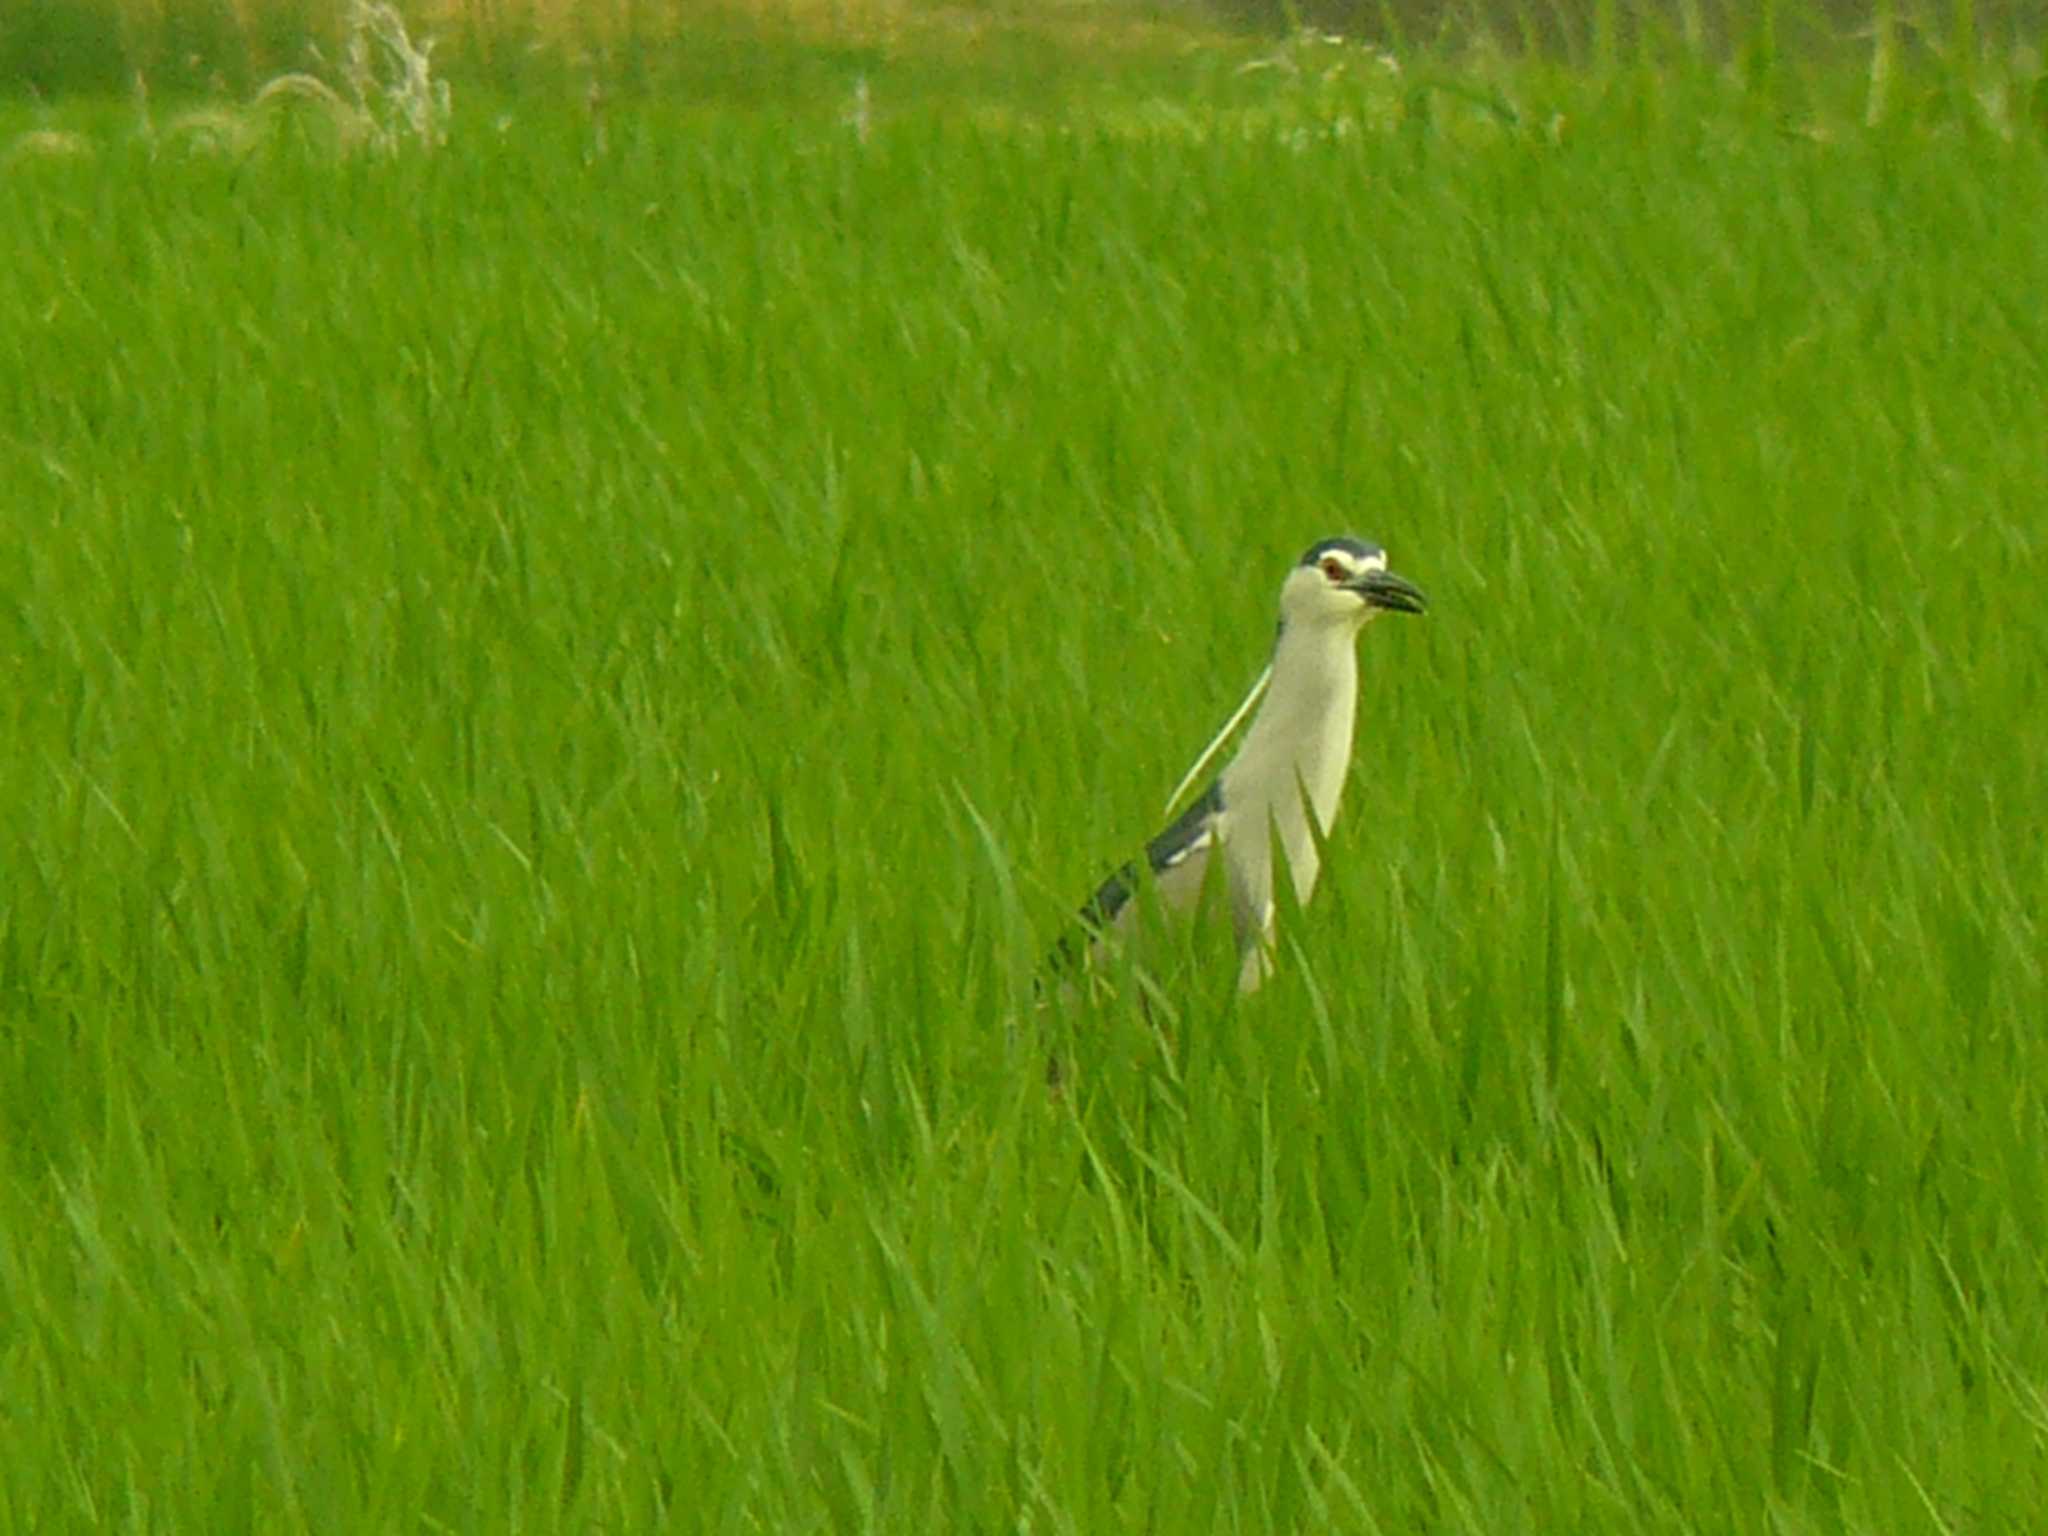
x: 555, y: 688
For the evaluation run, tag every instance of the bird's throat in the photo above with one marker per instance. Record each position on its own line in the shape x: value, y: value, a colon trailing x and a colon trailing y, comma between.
x: 1301, y: 738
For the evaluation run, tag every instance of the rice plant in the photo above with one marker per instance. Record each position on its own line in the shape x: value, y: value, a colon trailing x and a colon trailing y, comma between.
x: 556, y: 696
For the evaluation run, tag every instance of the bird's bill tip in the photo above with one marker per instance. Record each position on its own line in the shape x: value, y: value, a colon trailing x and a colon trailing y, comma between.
x: 1396, y: 594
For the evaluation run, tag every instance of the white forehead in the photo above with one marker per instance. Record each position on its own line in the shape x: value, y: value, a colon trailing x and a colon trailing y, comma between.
x: 1373, y: 559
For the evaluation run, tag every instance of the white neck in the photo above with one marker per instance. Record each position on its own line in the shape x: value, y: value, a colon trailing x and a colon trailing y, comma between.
x: 1300, y: 742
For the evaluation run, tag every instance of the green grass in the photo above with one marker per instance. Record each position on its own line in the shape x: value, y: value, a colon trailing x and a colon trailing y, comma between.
x: 552, y: 698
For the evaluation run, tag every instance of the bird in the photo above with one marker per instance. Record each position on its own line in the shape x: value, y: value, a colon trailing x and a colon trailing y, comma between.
x: 1283, y: 786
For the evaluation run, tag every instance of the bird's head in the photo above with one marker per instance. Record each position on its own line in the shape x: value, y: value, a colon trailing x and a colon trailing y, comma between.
x: 1345, y: 581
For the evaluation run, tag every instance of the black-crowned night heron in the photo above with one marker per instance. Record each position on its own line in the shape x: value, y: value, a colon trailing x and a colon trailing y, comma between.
x: 1290, y: 769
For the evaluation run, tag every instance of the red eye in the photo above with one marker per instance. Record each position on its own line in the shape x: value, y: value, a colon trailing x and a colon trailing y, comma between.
x: 1333, y: 568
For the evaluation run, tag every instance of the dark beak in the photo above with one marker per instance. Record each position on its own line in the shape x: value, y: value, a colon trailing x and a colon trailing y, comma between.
x: 1383, y: 589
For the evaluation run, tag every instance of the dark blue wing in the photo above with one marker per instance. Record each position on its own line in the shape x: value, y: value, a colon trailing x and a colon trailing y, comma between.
x: 1190, y: 831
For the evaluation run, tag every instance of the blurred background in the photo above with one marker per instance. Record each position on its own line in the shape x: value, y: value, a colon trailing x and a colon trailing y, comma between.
x: 53, y: 47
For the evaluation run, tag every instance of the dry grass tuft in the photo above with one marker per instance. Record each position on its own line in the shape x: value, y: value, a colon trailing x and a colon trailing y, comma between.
x: 1097, y: 28
x: 388, y: 101
x: 48, y: 144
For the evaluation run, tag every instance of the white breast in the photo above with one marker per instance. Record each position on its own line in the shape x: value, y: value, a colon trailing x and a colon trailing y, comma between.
x: 1298, y: 746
